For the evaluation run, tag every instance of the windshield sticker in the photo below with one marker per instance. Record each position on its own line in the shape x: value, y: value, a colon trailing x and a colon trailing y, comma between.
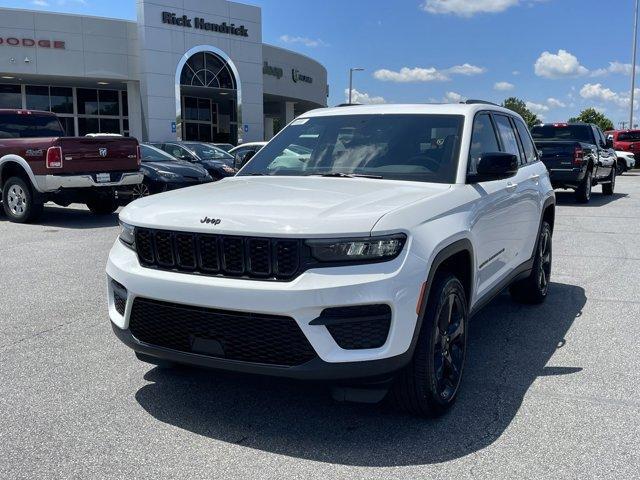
x: 300, y: 121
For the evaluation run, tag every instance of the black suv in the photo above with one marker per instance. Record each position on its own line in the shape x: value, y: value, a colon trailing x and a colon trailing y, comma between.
x: 216, y: 161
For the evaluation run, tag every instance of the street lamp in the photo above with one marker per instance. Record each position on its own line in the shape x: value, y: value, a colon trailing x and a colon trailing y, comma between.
x: 633, y: 67
x: 351, y: 70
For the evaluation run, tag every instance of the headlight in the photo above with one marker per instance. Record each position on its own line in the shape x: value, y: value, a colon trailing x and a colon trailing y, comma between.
x: 128, y: 235
x: 228, y: 169
x: 357, y: 249
x: 170, y: 175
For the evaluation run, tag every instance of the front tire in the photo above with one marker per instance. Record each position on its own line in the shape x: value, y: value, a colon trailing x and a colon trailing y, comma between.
x: 429, y: 385
x: 583, y: 192
x: 621, y: 167
x: 534, y: 288
x: 19, y: 202
x: 608, y: 188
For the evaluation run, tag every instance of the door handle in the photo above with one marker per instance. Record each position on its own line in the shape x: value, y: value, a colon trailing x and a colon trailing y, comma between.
x: 511, y: 186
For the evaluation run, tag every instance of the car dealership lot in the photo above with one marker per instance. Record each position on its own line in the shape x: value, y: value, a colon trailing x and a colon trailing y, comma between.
x: 549, y: 390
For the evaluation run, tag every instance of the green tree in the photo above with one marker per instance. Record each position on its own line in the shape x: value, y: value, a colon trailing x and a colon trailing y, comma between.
x: 518, y: 106
x: 591, y: 115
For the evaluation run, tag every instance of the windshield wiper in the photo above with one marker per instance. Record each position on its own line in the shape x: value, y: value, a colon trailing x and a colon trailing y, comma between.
x: 344, y: 175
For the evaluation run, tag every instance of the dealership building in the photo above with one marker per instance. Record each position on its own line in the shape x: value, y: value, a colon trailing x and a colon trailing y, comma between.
x: 186, y: 69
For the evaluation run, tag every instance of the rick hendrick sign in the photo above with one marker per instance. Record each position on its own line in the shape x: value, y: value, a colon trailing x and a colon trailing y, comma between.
x: 200, y: 23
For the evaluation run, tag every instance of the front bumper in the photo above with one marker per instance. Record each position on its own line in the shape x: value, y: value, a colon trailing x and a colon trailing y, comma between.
x: 396, y: 283
x: 52, y: 183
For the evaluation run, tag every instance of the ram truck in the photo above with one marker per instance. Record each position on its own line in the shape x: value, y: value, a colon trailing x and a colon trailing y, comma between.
x: 359, y: 263
x: 577, y: 156
x: 39, y: 164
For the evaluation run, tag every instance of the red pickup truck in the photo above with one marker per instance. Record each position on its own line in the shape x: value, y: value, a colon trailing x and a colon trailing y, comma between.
x: 39, y: 164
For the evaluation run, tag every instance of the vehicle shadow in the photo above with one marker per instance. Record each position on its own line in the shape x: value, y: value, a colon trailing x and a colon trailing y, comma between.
x: 597, y: 199
x: 509, y: 348
x: 74, y: 216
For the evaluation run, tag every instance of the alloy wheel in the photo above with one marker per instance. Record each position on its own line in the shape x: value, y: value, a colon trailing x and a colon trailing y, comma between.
x: 544, y: 268
x: 17, y: 200
x: 141, y: 190
x: 449, y: 348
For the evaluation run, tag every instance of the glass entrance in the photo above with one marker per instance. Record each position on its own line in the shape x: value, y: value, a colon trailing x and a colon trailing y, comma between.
x: 200, y: 119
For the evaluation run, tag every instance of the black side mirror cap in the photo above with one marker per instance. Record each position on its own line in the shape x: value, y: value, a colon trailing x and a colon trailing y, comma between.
x: 494, y: 166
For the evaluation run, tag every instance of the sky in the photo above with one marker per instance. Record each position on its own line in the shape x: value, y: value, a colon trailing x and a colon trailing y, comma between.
x: 559, y: 56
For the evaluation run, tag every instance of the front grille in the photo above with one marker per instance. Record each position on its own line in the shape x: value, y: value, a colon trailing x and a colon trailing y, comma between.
x: 248, y: 337
x: 358, y: 327
x: 221, y: 255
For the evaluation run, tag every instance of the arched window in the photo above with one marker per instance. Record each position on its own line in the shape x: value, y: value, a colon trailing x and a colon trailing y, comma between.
x: 206, y: 69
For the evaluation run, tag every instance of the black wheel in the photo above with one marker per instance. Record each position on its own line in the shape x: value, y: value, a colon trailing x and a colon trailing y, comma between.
x: 621, y: 167
x: 18, y: 201
x: 609, y: 187
x: 535, y: 287
x: 102, y: 204
x: 583, y: 192
x: 429, y: 385
x: 140, y: 190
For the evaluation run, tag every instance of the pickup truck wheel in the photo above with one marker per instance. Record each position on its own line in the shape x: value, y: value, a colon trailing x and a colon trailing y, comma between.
x: 583, y: 192
x: 18, y: 201
x: 429, y: 385
x: 140, y: 190
x: 102, y: 205
x: 534, y: 288
x: 609, y: 187
x: 621, y: 167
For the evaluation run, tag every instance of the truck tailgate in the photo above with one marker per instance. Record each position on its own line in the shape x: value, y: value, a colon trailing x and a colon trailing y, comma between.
x: 98, y: 154
x: 557, y: 154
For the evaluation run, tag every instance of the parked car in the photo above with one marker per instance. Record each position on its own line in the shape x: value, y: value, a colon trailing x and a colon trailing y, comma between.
x: 217, y: 162
x: 626, y: 161
x: 577, y: 156
x: 243, y: 153
x: 361, y: 265
x: 39, y: 164
x: 625, y: 140
x: 163, y: 172
x: 223, y: 146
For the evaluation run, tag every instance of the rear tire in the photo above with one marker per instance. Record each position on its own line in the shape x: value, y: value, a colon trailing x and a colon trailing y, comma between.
x: 534, y: 288
x: 583, y: 192
x: 19, y: 202
x: 102, y: 205
x: 429, y: 385
x: 608, y: 188
x: 621, y: 167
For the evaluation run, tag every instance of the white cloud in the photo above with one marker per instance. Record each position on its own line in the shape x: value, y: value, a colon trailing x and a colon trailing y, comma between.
x: 306, y: 41
x: 503, y: 86
x: 361, y: 97
x: 453, y: 97
x: 430, y: 74
x: 615, y: 68
x: 466, y: 8
x: 559, y: 65
x: 40, y: 3
x: 537, y: 107
x: 597, y: 92
x: 555, y: 103
x: 515, y: 73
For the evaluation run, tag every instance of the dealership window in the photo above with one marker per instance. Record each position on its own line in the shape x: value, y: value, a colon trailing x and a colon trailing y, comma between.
x: 10, y: 96
x: 102, y: 111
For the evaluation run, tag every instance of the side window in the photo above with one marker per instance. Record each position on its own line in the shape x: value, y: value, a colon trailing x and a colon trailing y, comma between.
x: 530, y: 151
x: 508, y: 136
x: 483, y: 140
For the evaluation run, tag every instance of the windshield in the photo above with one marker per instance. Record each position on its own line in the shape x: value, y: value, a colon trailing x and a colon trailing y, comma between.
x: 420, y: 148
x: 580, y: 133
x: 629, y: 136
x: 209, y: 152
x: 152, y: 154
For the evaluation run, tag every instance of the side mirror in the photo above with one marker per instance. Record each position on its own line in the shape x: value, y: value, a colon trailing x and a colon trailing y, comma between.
x: 495, y: 166
x: 247, y: 157
x: 609, y: 143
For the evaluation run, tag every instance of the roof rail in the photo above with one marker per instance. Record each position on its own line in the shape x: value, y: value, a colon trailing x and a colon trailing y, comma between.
x: 472, y: 101
x: 348, y: 105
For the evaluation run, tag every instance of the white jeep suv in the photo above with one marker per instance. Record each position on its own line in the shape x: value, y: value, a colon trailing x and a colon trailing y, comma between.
x: 359, y: 259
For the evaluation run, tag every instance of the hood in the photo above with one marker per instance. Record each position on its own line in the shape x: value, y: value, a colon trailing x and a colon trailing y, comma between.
x: 279, y: 206
x: 185, y: 169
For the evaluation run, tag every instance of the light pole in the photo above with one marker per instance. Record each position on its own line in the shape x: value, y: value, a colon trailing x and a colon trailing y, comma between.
x: 351, y: 70
x: 633, y: 67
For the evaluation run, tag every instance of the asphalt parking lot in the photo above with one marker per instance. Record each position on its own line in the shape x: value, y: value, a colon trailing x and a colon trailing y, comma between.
x: 550, y: 391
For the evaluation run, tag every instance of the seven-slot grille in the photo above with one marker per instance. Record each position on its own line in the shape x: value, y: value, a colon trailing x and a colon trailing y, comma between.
x: 223, y: 255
